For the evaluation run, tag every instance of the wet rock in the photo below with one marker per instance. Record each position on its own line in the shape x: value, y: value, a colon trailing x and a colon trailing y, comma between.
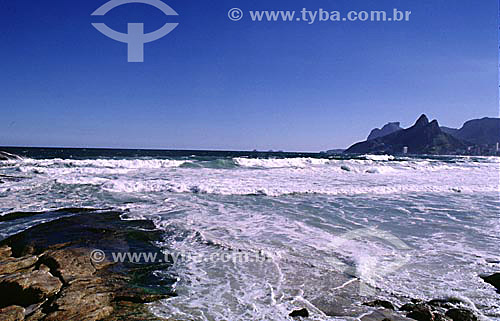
x: 13, y: 265
x: 493, y: 279
x: 461, y: 315
x: 434, y: 310
x: 12, y: 313
x: 132, y: 312
x: 380, y: 303
x: 33, y: 308
x: 137, y: 296
x: 444, y: 303
x: 49, y: 274
x: 27, y: 288
x: 384, y: 315
x: 5, y: 252
x: 299, y: 313
x: 70, y: 264
x: 419, y: 311
x: 409, y: 306
x: 83, y: 297
x: 43, y: 267
x: 37, y: 315
x: 337, y: 306
x: 440, y: 317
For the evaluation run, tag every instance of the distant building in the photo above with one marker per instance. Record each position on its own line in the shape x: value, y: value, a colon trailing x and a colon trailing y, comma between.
x: 405, y: 150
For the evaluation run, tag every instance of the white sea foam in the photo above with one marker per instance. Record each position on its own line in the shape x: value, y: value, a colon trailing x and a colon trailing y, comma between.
x: 272, y: 177
x: 379, y: 157
x: 101, y: 163
x: 280, y: 162
x: 291, y: 211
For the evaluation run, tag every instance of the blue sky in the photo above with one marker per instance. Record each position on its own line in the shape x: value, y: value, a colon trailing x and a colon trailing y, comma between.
x: 217, y: 84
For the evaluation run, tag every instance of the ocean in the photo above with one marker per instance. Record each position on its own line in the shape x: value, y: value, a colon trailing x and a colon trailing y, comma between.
x: 327, y: 229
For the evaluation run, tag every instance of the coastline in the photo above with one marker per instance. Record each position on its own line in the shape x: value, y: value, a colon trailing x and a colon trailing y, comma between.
x: 46, y: 273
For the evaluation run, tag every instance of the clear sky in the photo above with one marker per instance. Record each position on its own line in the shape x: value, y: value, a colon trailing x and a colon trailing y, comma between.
x: 214, y: 83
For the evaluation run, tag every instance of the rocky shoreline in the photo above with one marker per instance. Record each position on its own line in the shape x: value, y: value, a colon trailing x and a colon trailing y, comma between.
x: 434, y: 310
x: 46, y: 272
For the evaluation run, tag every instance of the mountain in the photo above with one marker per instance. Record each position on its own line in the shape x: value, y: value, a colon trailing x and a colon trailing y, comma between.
x: 485, y: 131
x: 423, y: 137
x: 449, y: 130
x: 334, y: 151
x: 388, y: 128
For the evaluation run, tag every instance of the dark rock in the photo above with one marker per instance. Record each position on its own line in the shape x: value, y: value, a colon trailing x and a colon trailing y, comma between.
x: 430, y: 311
x: 19, y: 215
x: 461, y: 315
x: 299, y: 313
x: 419, y: 311
x: 440, y: 317
x: 493, y: 279
x: 444, y: 303
x: 423, y: 137
x: 380, y: 303
x: 409, y: 306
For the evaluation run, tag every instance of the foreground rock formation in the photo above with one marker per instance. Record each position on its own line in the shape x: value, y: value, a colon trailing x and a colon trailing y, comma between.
x: 46, y: 272
x: 434, y: 310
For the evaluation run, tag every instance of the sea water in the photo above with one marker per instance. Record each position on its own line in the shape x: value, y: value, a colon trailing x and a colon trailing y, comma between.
x: 402, y: 227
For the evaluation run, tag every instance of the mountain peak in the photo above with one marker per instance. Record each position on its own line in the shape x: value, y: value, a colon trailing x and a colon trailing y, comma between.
x: 422, y: 138
x: 434, y: 123
x: 388, y: 128
x: 422, y: 120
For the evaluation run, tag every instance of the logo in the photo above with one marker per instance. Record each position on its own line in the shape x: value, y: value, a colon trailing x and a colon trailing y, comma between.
x: 235, y: 14
x: 135, y: 37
